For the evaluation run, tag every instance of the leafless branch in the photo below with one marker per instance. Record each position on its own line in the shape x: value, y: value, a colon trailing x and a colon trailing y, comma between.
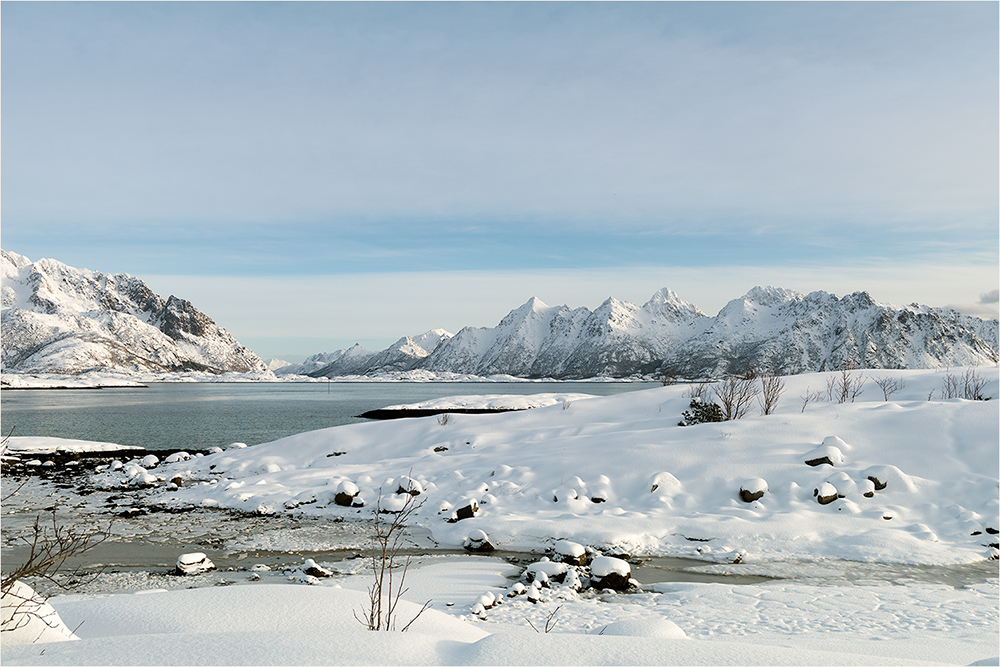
x: 386, y: 591
x: 810, y: 397
x: 772, y: 386
x: 735, y: 394
x: 889, y: 385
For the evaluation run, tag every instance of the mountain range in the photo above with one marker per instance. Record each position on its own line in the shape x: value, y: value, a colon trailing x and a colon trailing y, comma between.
x: 768, y: 328
x: 61, y: 320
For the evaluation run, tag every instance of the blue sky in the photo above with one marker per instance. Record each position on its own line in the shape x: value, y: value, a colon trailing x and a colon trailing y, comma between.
x: 317, y: 174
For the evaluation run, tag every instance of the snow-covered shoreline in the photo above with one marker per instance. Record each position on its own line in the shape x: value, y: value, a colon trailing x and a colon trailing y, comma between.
x: 618, y: 472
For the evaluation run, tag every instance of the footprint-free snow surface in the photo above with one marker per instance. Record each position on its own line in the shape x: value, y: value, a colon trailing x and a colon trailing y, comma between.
x: 908, y: 480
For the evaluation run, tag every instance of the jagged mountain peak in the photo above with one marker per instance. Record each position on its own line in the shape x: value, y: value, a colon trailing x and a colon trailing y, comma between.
x: 666, y: 303
x: 771, y: 296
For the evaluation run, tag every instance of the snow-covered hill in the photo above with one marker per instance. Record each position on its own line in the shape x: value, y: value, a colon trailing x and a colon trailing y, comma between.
x: 769, y: 328
x: 62, y: 320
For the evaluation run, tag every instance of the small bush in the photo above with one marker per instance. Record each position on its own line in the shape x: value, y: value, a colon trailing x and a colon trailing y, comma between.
x: 701, y: 412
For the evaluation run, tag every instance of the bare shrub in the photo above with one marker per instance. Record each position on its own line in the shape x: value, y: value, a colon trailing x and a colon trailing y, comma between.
x: 889, y: 385
x: 550, y: 622
x: 699, y: 390
x: 845, y: 387
x: 444, y: 419
x: 386, y: 590
x: 810, y: 397
x: 771, y: 388
x: 972, y: 386
x: 950, y: 386
x: 735, y: 394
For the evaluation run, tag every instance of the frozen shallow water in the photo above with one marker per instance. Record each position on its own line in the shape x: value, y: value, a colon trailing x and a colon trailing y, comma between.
x: 143, y: 547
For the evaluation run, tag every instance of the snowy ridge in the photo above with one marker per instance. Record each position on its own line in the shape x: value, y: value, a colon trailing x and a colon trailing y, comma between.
x: 62, y: 320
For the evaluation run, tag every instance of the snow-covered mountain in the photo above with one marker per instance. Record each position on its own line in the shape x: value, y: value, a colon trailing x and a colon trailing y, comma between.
x: 403, y: 355
x: 58, y: 319
x: 767, y: 328
x: 535, y: 340
x: 789, y: 332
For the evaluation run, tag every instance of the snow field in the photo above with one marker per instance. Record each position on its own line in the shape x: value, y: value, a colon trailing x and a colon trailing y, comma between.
x: 618, y: 473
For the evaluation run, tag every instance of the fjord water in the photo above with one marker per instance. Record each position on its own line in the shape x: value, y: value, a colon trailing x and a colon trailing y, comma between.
x: 201, y: 415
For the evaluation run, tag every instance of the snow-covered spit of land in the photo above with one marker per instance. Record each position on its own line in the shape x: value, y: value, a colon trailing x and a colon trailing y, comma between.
x: 496, y: 402
x: 914, y: 479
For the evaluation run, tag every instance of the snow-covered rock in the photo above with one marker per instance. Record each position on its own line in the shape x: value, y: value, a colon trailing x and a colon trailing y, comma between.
x: 610, y: 572
x: 194, y: 563
x: 570, y: 552
x: 753, y: 489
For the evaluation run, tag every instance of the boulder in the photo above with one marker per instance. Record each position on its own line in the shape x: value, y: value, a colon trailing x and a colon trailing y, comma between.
x: 466, y: 511
x: 545, y: 571
x: 346, y: 493
x: 478, y: 542
x: 878, y: 484
x: 752, y: 489
x: 194, y: 563
x: 311, y: 569
x: 569, y: 552
x: 824, y: 454
x: 825, y: 493
x: 410, y: 486
x: 609, y: 572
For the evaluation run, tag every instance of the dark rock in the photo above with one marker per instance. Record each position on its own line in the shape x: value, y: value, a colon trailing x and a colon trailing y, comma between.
x: 440, y: 449
x: 820, y: 461
x: 466, y: 511
x: 177, y: 480
x: 478, y: 542
x: 612, y: 580
x: 344, y: 499
x: 879, y: 483
x: 825, y: 493
x: 992, y: 531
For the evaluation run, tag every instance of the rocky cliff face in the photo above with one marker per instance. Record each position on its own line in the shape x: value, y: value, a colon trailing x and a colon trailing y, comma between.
x: 58, y: 319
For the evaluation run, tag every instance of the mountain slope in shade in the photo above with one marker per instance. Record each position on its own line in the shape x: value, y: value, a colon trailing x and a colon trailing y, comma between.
x: 58, y: 319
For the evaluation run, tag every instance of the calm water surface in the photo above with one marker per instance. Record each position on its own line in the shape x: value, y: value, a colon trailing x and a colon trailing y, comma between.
x: 198, y: 416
